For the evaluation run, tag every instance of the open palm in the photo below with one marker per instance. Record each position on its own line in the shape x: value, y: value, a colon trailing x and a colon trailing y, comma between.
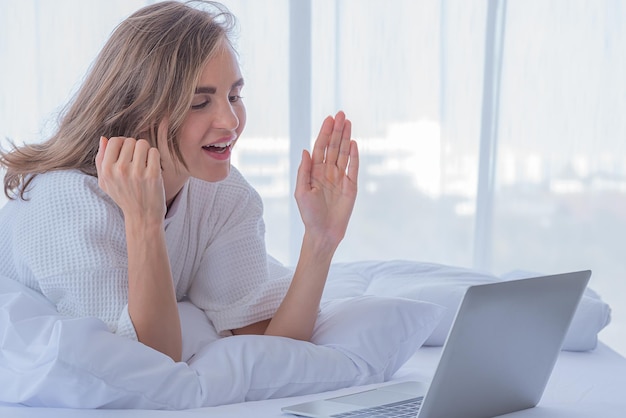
x: 326, y: 186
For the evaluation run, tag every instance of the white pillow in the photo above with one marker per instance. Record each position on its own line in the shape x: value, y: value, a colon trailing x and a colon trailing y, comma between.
x: 54, y: 361
x: 444, y: 291
x: 383, y: 331
x: 430, y: 282
x: 446, y: 286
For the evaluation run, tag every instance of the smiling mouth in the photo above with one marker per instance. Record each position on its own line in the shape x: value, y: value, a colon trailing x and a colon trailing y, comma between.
x: 219, y: 148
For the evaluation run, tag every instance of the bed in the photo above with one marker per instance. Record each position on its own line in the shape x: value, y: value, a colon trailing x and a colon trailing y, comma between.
x: 353, y: 347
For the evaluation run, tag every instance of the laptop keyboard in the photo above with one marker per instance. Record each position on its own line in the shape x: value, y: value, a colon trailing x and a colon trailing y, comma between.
x: 407, y: 408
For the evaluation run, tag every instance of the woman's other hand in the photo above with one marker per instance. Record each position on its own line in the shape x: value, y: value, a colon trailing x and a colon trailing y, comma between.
x: 326, y: 186
x: 326, y: 190
x: 129, y: 171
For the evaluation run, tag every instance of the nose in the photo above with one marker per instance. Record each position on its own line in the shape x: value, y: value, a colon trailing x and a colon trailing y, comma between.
x: 226, y: 117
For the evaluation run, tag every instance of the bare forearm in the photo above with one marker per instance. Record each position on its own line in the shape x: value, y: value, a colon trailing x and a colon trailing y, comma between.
x: 326, y: 190
x: 151, y: 296
x: 296, y: 316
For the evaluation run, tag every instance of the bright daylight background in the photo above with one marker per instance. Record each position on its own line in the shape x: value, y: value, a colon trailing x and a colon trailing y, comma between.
x: 492, y: 133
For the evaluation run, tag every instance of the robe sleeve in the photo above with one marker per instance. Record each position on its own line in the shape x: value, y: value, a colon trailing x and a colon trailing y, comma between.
x: 70, y: 244
x: 237, y: 283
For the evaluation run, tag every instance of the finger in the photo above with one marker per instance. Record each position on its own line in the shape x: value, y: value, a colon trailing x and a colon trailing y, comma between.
x: 323, y: 138
x: 303, y: 178
x: 100, y: 155
x: 140, y: 153
x: 127, y: 150
x: 344, y: 148
x: 154, y: 161
x: 353, y: 168
x: 112, y: 151
x: 332, y: 151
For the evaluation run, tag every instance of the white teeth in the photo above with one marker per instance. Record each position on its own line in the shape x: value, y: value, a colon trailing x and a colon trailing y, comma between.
x: 220, y: 145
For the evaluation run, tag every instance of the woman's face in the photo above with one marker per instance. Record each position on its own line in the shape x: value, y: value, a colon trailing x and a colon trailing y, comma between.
x: 212, y: 126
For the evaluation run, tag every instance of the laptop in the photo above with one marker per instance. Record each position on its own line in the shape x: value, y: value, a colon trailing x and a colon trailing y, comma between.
x: 497, y: 359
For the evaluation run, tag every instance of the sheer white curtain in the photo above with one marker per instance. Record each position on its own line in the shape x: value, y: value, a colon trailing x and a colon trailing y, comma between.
x: 411, y: 75
x: 560, y: 201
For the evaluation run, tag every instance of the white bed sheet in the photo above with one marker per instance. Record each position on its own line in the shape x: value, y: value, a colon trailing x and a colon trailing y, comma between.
x: 583, y: 385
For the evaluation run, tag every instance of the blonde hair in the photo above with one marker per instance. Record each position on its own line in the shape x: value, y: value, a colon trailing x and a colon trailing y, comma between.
x: 145, y: 74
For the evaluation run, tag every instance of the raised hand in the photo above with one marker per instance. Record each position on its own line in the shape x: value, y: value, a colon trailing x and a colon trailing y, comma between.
x: 326, y: 190
x: 326, y: 186
x: 129, y: 171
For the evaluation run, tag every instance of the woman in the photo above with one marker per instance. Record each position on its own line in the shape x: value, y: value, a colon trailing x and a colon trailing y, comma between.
x: 132, y: 205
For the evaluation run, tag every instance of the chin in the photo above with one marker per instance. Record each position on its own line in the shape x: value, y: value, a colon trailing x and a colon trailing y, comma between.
x: 215, y: 175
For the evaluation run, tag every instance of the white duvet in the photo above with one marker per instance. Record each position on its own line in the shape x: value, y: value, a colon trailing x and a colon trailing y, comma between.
x: 373, y: 317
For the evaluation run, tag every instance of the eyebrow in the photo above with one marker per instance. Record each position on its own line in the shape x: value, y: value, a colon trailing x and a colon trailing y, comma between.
x: 212, y: 90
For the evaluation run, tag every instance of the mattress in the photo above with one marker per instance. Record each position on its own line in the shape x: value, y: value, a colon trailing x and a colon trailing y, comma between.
x: 66, y: 367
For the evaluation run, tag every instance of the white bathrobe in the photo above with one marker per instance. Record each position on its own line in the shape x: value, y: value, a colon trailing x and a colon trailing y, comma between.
x: 67, y: 241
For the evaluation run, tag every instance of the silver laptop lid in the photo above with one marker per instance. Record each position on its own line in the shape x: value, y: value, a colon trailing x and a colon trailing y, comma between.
x: 503, y: 345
